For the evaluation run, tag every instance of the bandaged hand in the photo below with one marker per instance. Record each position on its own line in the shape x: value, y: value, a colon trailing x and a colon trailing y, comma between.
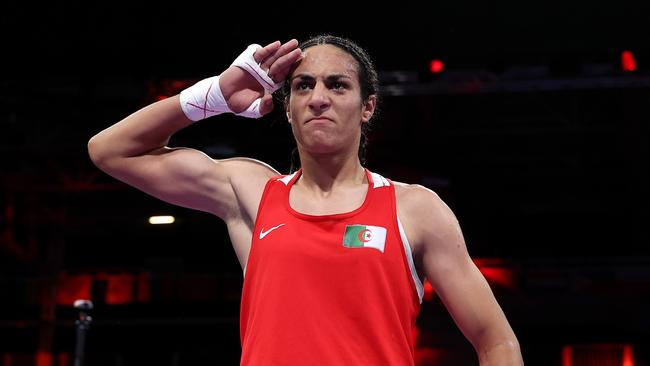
x: 245, y: 88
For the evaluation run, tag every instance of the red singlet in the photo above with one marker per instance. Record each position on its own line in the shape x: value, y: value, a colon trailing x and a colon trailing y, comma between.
x: 330, y: 289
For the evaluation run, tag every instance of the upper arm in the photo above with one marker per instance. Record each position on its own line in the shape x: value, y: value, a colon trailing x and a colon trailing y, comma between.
x: 190, y: 178
x: 452, y: 273
x: 133, y: 151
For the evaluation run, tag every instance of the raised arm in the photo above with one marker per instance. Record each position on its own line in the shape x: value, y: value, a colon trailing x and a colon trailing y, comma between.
x: 452, y: 273
x: 134, y: 149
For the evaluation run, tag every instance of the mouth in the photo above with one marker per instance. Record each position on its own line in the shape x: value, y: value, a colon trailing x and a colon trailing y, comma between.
x: 321, y: 119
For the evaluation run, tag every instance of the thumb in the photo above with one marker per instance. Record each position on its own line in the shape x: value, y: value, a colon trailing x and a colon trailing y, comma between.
x: 266, y: 104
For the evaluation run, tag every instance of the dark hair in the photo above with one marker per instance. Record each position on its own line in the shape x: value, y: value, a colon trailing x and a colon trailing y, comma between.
x: 368, y: 80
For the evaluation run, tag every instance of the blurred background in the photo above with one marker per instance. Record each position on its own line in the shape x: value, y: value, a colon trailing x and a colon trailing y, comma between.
x: 531, y: 120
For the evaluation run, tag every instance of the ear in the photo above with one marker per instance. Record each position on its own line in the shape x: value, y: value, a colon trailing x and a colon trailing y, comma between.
x: 286, y: 108
x: 368, y: 108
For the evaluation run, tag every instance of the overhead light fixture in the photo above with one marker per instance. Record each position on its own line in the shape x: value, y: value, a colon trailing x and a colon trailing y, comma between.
x: 159, y: 220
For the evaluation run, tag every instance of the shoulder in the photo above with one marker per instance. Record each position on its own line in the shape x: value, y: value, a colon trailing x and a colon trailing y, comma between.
x: 246, y: 178
x: 241, y: 170
x: 417, y: 199
x: 428, y: 218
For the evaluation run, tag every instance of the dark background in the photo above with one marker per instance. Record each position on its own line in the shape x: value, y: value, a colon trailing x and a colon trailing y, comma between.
x: 532, y: 134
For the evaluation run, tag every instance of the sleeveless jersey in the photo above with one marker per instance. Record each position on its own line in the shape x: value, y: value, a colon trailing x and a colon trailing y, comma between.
x: 335, y: 289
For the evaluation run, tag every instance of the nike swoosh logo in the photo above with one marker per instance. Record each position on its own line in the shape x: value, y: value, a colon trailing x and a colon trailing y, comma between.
x: 265, y: 233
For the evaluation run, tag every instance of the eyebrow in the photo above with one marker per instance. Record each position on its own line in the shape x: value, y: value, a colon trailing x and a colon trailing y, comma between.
x: 329, y: 78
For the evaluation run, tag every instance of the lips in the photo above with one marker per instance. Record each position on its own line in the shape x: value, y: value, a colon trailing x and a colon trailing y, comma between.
x: 320, y: 119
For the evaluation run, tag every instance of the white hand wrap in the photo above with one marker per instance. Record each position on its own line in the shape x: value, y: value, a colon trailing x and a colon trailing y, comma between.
x: 205, y: 99
x: 247, y: 62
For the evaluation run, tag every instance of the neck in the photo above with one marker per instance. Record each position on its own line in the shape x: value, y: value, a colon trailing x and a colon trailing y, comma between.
x: 325, y: 172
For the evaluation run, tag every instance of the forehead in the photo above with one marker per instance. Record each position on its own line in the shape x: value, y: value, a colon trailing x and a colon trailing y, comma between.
x: 326, y: 59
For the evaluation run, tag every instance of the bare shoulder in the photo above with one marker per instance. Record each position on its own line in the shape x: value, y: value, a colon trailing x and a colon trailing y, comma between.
x: 227, y: 188
x: 425, y: 215
x: 247, y: 179
x: 415, y: 199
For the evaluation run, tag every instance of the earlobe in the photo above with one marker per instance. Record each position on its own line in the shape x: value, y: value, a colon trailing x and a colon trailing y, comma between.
x: 369, y: 108
x: 289, y: 117
x: 366, y: 116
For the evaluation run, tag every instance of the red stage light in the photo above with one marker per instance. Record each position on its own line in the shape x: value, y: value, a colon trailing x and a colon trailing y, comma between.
x: 628, y: 62
x: 428, y: 291
x: 436, y: 66
x: 628, y: 358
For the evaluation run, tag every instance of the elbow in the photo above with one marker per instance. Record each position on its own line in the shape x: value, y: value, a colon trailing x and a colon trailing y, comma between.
x: 95, y: 152
x: 504, y: 352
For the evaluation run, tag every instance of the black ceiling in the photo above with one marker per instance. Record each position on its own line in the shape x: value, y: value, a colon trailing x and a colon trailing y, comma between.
x: 529, y: 173
x: 163, y: 39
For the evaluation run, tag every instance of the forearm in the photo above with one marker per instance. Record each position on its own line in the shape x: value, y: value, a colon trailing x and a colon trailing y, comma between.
x: 145, y: 130
x: 504, y: 353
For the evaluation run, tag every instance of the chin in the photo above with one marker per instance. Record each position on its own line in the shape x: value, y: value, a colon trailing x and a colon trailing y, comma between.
x: 323, y: 142
x: 320, y: 149
x: 321, y: 146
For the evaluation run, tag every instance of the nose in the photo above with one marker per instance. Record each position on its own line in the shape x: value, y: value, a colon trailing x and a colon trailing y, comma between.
x: 319, y: 99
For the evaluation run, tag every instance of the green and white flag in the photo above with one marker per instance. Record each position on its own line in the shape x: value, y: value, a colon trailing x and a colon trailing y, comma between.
x: 365, y: 236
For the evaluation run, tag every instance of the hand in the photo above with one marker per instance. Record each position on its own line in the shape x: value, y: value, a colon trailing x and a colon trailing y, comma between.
x: 240, y: 89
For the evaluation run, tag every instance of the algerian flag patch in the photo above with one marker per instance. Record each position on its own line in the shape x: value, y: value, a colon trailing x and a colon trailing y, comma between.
x: 365, y: 236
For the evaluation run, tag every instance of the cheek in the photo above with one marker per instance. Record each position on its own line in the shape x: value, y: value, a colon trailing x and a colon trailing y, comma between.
x: 292, y: 107
x: 354, y: 109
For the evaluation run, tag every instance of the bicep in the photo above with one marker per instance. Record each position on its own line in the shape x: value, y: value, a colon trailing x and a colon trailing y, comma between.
x: 181, y: 176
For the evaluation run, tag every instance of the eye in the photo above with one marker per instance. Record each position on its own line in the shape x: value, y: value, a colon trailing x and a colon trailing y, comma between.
x: 302, y: 85
x: 338, y: 85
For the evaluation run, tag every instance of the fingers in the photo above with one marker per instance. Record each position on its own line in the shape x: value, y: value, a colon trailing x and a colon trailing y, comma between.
x: 281, y: 67
x: 276, y: 58
x: 266, y: 51
x: 266, y: 104
x: 283, y: 50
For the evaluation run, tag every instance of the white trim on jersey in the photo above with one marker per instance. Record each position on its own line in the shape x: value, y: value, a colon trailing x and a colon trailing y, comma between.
x: 379, y: 181
x: 409, y: 258
x: 287, y: 179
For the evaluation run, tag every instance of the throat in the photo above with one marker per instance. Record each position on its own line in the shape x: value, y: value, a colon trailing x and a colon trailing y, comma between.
x: 335, y: 201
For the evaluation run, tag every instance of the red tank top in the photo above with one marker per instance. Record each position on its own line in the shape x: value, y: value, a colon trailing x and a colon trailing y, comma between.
x: 330, y: 289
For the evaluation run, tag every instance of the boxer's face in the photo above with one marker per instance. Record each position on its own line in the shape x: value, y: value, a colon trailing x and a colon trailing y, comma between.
x: 325, y: 107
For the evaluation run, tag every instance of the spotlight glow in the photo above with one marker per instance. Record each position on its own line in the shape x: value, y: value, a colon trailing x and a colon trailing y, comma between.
x: 436, y: 66
x: 628, y: 62
x: 158, y: 220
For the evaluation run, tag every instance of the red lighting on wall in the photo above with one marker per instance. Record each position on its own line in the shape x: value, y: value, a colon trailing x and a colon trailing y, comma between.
x: 604, y: 354
x: 567, y: 356
x: 64, y: 359
x: 121, y: 288
x: 73, y: 287
x: 429, y: 292
x: 628, y: 62
x: 496, y: 272
x: 143, y: 290
x: 628, y: 358
x: 499, y: 276
x: 166, y: 88
x: 436, y: 66
x: 43, y: 358
x: 428, y: 356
